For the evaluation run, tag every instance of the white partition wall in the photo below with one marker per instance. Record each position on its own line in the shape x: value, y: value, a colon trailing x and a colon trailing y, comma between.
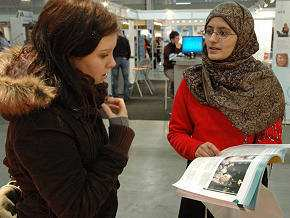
x: 132, y: 33
x: 263, y: 29
x: 281, y: 51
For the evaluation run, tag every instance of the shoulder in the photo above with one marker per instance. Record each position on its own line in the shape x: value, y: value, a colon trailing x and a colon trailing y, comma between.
x: 42, y: 119
x: 192, y: 72
x: 40, y: 133
x: 183, y: 90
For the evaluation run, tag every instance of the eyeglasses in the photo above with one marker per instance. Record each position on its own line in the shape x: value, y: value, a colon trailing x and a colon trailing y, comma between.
x: 221, y: 34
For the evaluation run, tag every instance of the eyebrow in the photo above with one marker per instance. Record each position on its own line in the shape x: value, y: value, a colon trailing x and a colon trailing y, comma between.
x: 104, y: 50
x: 220, y: 28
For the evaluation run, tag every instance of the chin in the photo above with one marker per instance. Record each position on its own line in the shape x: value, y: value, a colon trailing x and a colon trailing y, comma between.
x: 217, y: 57
x: 214, y: 57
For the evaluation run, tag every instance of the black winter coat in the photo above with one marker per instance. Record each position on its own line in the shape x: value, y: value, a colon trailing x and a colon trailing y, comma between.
x: 64, y: 162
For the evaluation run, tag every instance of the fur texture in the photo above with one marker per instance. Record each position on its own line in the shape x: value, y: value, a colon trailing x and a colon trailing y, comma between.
x: 22, y: 90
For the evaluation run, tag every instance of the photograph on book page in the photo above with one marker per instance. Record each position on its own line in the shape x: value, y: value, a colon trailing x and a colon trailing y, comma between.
x: 230, y: 174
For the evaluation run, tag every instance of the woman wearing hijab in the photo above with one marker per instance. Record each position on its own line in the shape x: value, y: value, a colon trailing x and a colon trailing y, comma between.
x: 230, y: 99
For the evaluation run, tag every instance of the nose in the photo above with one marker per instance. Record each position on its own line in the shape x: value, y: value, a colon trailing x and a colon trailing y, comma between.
x: 112, y: 63
x: 213, y: 37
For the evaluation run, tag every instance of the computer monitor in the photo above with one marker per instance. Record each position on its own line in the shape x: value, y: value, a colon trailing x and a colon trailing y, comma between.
x: 192, y: 45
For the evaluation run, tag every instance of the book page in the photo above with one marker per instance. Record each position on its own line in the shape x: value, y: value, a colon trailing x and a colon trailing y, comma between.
x: 225, y: 178
x: 257, y: 149
x: 232, y: 177
x: 207, y: 176
x: 230, y: 174
x: 199, y: 172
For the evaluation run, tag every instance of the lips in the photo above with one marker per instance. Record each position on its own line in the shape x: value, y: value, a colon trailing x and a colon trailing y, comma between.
x: 213, y: 50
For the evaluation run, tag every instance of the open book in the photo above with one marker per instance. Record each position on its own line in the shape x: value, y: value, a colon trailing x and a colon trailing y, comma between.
x: 231, y: 179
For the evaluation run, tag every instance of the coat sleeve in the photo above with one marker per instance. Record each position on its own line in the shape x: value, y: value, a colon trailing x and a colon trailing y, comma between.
x: 51, y: 158
x: 271, y: 135
x: 181, y: 126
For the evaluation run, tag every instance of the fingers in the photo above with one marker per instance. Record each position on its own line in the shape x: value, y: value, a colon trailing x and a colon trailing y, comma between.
x: 207, y: 150
x: 108, y: 111
x: 215, y: 150
x: 115, y: 107
x: 119, y: 102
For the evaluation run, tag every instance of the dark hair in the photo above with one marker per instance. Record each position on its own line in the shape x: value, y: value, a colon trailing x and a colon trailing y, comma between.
x: 69, y: 28
x: 1, y: 33
x: 173, y: 34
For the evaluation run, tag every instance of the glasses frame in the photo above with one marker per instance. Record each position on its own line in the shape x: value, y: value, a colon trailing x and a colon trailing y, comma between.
x: 218, y: 35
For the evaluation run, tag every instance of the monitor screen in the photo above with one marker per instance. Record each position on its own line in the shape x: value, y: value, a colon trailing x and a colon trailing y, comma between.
x: 192, y: 44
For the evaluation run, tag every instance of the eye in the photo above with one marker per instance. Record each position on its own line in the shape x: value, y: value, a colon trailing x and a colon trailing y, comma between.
x: 209, y: 31
x: 223, y: 33
x: 103, y: 55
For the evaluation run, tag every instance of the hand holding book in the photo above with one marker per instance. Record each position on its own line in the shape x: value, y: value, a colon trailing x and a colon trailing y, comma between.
x: 207, y: 150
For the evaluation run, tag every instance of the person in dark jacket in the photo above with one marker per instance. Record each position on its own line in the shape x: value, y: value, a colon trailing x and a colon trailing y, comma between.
x: 170, y: 51
x: 122, y: 53
x: 52, y: 93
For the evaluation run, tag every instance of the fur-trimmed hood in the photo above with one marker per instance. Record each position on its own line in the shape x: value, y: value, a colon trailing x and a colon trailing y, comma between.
x: 22, y: 87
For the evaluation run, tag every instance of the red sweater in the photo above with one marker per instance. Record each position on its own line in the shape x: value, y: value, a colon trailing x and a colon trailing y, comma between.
x: 193, y: 124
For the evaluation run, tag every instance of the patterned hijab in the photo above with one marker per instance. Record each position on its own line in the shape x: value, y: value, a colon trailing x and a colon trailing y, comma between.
x: 241, y: 87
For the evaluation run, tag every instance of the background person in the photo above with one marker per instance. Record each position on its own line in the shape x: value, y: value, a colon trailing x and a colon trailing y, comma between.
x: 122, y: 53
x: 170, y: 51
x: 57, y: 148
x: 230, y: 99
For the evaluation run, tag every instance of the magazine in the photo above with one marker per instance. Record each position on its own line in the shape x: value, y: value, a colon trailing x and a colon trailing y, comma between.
x: 231, y: 179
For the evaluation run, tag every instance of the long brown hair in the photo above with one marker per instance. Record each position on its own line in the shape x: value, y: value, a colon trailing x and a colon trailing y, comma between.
x: 69, y: 28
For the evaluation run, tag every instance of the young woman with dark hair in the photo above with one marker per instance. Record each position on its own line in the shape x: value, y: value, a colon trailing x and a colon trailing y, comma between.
x: 52, y: 92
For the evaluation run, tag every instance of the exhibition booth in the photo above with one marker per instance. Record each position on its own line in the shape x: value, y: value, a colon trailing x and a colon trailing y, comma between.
x: 154, y: 26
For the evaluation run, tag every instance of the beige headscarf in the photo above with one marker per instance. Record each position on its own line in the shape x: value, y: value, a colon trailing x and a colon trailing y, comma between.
x: 243, y: 88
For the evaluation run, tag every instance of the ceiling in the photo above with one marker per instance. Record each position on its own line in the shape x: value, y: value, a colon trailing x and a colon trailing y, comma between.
x: 12, y: 6
x: 191, y: 4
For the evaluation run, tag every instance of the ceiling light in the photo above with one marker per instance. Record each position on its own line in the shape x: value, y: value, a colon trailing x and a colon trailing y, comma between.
x: 183, y: 3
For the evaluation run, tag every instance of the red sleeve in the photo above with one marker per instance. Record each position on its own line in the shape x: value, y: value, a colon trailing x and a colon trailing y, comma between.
x: 181, y: 126
x: 271, y: 135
